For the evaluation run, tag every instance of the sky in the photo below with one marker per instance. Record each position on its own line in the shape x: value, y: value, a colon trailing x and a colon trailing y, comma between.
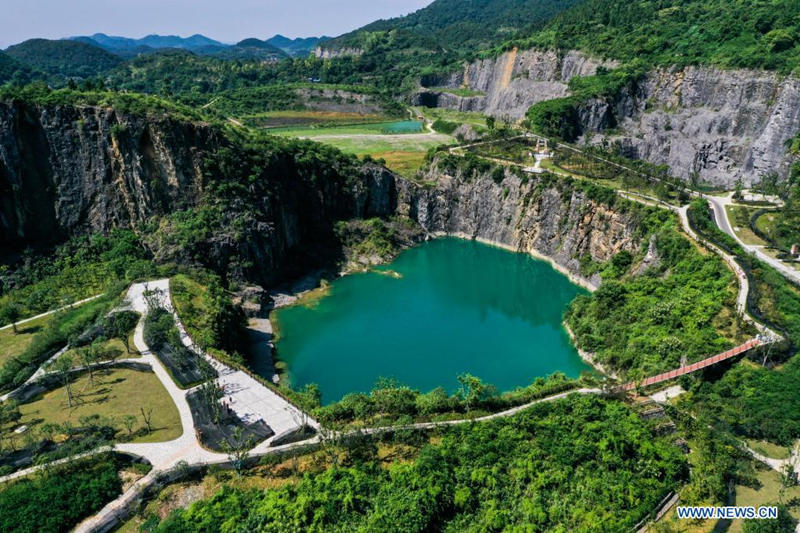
x: 224, y: 20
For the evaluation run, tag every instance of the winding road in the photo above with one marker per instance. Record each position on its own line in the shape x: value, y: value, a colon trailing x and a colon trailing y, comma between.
x: 718, y: 204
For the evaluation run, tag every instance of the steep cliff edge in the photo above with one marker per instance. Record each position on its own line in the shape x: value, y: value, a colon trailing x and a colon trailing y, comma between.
x: 193, y: 192
x: 544, y: 216
x: 723, y: 124
x: 71, y: 169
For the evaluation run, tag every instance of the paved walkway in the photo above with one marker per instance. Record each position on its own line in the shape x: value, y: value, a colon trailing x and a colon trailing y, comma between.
x: 246, y: 396
x: 70, y: 306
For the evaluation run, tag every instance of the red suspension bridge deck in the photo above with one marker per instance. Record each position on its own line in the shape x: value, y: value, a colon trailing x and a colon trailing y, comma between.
x: 694, y: 367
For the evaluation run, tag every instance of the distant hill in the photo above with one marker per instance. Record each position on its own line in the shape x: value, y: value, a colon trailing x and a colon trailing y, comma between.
x: 128, y: 47
x: 296, y: 47
x: 251, y: 49
x: 64, y: 58
x: 461, y: 24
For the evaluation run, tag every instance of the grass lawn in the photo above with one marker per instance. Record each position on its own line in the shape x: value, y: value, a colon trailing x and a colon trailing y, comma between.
x: 451, y: 115
x: 399, y: 127
x: 766, y: 223
x: 282, y: 119
x: 404, y: 163
x: 767, y: 494
x: 376, y: 144
x: 114, y: 346
x: 117, y: 392
x: 769, y: 449
x: 13, y: 344
x: 739, y: 217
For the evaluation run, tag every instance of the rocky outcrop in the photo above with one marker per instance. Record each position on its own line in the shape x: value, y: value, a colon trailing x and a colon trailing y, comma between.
x: 71, y: 169
x: 724, y: 125
x: 330, y: 53
x: 67, y: 170
x: 513, y: 82
x: 540, y: 216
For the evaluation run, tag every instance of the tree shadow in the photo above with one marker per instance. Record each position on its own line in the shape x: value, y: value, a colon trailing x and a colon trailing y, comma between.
x: 30, y: 330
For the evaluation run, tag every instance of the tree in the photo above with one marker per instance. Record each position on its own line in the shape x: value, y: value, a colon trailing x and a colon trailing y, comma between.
x: 738, y: 188
x: 473, y: 390
x: 120, y: 325
x: 89, y: 356
x: 238, y: 449
x: 783, y: 524
x: 62, y: 367
x: 9, y: 315
x: 147, y: 415
x: 129, y: 421
x: 490, y: 123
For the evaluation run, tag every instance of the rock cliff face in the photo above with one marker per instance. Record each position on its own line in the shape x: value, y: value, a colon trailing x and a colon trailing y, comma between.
x: 722, y: 124
x: 512, y: 82
x: 541, y: 218
x: 68, y: 169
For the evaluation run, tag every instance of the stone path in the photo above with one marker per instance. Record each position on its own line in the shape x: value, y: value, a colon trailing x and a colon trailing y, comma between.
x: 247, y: 397
x: 70, y: 306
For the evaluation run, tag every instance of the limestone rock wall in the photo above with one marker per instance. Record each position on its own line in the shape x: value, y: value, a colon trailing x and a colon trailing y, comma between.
x: 553, y: 220
x: 68, y: 169
x: 723, y: 124
x: 513, y: 81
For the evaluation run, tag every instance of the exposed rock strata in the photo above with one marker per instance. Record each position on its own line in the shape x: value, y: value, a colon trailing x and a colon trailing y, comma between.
x: 722, y: 124
x: 552, y: 220
x: 69, y: 170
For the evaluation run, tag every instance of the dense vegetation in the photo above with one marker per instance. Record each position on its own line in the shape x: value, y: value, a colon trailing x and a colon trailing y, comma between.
x: 64, y: 59
x: 752, y: 400
x: 60, y: 498
x: 208, y: 313
x: 643, y: 322
x: 773, y: 299
x: 84, y: 266
x: 787, y: 226
x: 580, y: 464
x: 11, y: 71
x: 459, y: 24
x: 759, y: 34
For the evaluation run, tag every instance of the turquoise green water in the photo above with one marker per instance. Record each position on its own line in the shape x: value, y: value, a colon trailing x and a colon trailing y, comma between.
x: 459, y: 307
x: 406, y: 126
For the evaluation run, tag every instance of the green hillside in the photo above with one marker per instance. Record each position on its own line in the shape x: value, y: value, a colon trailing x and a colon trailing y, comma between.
x: 12, y: 71
x: 759, y: 34
x: 65, y: 58
x: 462, y: 24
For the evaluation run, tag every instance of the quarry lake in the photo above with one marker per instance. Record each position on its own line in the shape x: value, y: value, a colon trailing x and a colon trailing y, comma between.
x: 441, y: 309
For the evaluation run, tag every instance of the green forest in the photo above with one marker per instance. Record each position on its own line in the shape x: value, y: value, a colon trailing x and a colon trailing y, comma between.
x: 761, y: 34
x: 579, y: 464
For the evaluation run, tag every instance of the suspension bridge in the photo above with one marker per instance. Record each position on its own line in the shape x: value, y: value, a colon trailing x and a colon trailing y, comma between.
x: 694, y: 367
